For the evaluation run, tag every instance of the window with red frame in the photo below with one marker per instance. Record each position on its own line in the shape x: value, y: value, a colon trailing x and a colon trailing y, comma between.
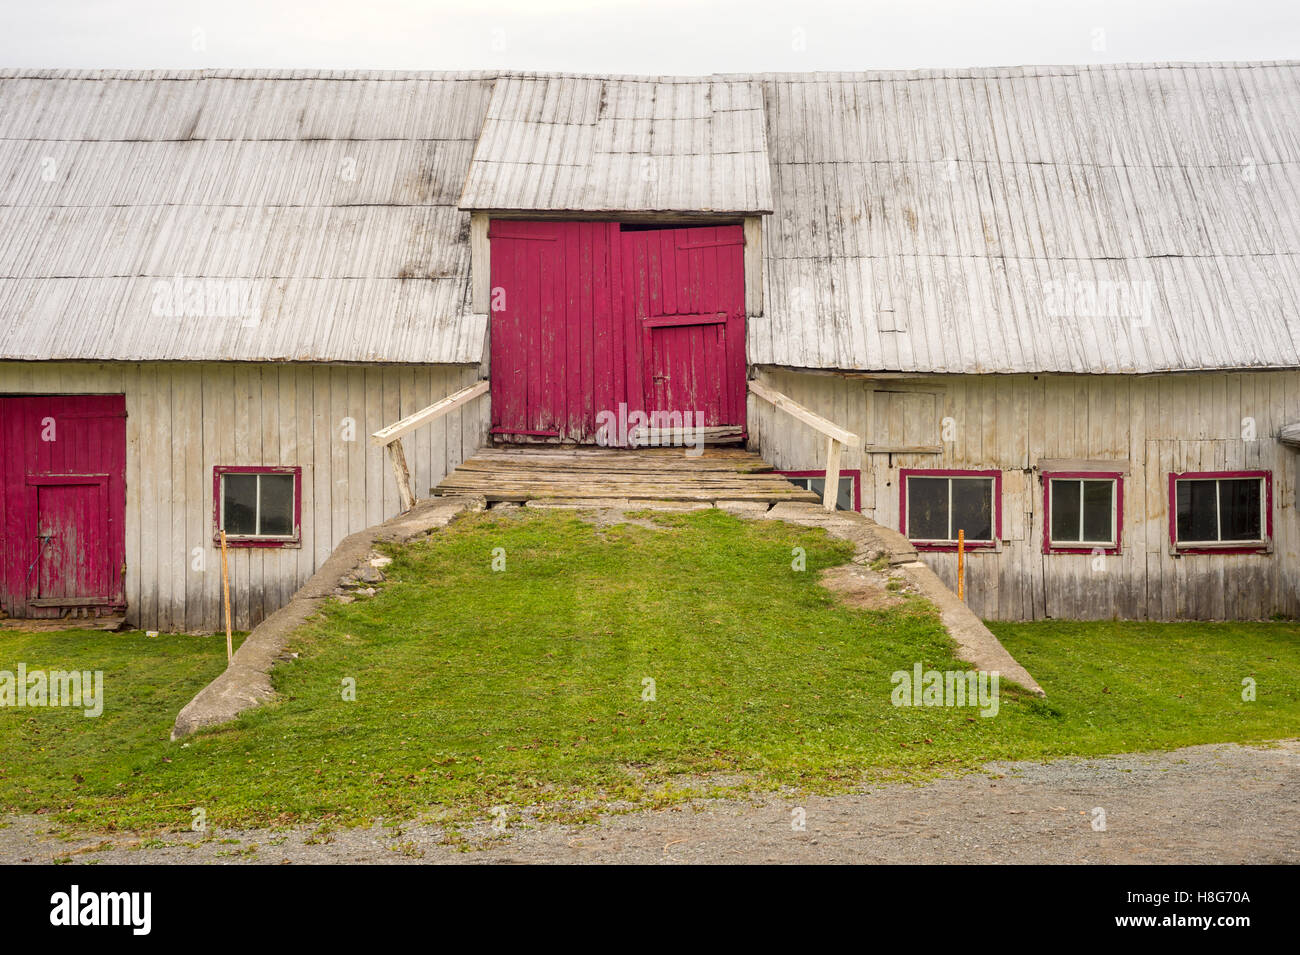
x: 258, y: 506
x: 1085, y: 511
x: 935, y: 505
x: 1221, y: 509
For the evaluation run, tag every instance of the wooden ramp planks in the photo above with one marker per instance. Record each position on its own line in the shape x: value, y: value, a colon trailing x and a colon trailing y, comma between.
x: 659, y: 474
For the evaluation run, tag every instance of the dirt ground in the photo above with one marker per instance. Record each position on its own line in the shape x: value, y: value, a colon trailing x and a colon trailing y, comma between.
x: 1205, y: 804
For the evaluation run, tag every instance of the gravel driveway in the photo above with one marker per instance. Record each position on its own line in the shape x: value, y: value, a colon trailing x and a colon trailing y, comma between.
x: 1204, y: 804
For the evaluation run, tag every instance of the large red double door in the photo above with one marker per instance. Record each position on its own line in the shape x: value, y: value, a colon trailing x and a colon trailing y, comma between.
x: 62, y: 504
x: 597, y: 319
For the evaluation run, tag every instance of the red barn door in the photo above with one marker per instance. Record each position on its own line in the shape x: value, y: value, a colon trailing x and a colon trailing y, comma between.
x: 594, y: 317
x: 62, y: 504
x: 556, y: 356
x: 686, y: 291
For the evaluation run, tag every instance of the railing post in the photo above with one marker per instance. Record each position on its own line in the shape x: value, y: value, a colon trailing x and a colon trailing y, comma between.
x: 391, y: 436
x: 831, y: 493
x: 836, y: 437
x: 397, y: 458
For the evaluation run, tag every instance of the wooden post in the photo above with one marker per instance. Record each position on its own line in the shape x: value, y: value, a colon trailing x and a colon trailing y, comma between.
x: 225, y: 589
x: 754, y: 267
x: 397, y: 457
x: 831, y: 493
x: 480, y: 267
x: 961, y: 565
x: 836, y: 437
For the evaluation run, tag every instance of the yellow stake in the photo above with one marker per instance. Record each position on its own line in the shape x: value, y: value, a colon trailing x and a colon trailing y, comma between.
x: 961, y: 565
x: 225, y: 587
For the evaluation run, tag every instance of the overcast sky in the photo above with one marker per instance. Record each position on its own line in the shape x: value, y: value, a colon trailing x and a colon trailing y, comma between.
x: 639, y: 36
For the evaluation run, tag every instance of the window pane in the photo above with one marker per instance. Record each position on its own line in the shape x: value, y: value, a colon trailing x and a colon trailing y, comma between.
x: 1065, y: 510
x: 277, y: 504
x: 1239, y: 509
x: 844, y: 502
x: 1197, y: 516
x: 1097, y: 511
x: 240, y: 503
x: 972, y: 508
x: 927, y: 508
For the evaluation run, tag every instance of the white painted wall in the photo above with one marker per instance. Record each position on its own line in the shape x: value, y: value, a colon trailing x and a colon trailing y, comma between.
x: 1152, y: 424
x: 184, y: 418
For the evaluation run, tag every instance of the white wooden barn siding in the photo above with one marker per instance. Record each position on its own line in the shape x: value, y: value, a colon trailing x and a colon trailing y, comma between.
x: 183, y: 418
x: 1154, y: 425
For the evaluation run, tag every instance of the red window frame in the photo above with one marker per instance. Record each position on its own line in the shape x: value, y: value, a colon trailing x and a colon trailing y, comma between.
x: 996, y: 475
x: 1048, y: 477
x: 1230, y: 547
x: 844, y: 472
x: 222, y: 469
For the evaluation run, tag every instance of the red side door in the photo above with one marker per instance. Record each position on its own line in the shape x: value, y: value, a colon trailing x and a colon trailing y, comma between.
x: 62, y: 504
x: 594, y: 317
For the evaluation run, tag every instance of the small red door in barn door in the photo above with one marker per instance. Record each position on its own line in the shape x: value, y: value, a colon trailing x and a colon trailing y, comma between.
x: 686, y: 290
x: 72, y: 530
x: 62, y: 504
x: 593, y: 318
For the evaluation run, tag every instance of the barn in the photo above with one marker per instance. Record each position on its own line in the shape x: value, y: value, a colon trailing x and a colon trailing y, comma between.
x: 1052, y: 309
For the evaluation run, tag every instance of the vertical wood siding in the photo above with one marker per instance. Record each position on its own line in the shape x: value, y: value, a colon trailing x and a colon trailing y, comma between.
x: 685, y: 301
x: 556, y: 353
x: 184, y: 418
x: 1152, y: 425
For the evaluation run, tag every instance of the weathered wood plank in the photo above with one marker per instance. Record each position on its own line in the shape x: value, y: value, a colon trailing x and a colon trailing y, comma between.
x: 642, y: 494
x: 831, y: 488
x: 401, y: 474
x: 480, y: 250
x: 753, y: 266
x: 806, y: 415
x: 527, y: 474
x: 424, y: 416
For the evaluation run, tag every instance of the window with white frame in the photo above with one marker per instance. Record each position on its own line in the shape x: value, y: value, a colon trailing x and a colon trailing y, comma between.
x: 937, y: 506
x: 1083, y: 511
x: 1220, y: 508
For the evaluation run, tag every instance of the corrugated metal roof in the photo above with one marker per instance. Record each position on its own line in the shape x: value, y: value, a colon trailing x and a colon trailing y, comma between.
x: 308, y: 216
x: 1135, y: 218
x: 622, y: 145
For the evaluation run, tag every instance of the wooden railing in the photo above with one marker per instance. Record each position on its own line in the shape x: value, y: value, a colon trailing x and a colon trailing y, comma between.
x: 837, y: 438
x: 391, y: 436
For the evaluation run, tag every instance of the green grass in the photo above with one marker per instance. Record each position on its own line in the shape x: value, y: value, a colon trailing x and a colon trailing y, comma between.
x: 1133, y: 686
x: 477, y: 688
x: 52, y: 757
